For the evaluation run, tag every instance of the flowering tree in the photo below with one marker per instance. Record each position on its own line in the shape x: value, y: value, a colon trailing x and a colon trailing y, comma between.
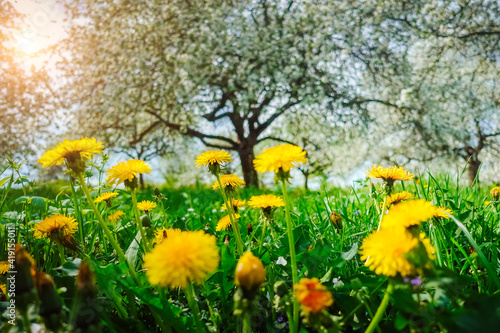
x: 328, y: 141
x: 219, y: 71
x: 441, y: 99
x: 22, y: 92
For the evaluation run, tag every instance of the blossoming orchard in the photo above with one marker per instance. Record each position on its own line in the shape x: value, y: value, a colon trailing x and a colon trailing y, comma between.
x: 286, y: 166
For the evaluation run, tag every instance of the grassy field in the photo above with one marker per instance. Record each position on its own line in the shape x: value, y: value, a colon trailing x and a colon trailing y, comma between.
x: 456, y: 292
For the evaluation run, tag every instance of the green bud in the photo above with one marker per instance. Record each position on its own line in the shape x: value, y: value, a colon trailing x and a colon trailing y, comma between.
x: 25, y: 288
x: 86, y: 312
x: 50, y: 302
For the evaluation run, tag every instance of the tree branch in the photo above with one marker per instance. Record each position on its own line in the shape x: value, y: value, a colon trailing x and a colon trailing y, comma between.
x: 272, y: 118
x: 275, y: 139
x: 196, y: 134
x: 212, y: 116
x: 145, y: 132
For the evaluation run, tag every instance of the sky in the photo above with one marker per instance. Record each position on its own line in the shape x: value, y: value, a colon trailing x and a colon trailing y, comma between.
x: 42, y: 27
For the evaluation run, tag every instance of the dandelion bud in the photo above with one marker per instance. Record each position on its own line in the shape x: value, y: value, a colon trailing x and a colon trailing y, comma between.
x: 50, y: 302
x: 336, y: 220
x: 86, y: 317
x: 249, y: 229
x: 146, y: 221
x: 24, y: 266
x: 495, y: 192
x: 158, y: 194
x: 249, y: 274
x: 373, y: 191
x: 226, y: 240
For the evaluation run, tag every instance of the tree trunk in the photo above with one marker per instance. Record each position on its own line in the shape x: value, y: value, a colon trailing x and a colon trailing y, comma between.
x: 249, y: 174
x: 473, y: 169
x: 141, y: 181
x: 306, y: 181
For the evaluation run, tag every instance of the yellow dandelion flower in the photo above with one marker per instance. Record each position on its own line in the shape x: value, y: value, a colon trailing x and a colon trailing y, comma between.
x: 3, y: 288
x: 225, y: 222
x: 265, y: 201
x: 58, y: 224
x: 486, y: 203
x: 229, y: 181
x: 4, y: 267
x: 389, y: 174
x: 164, y: 233
x: 106, y: 196
x: 117, y: 215
x: 72, y: 151
x: 396, y: 198
x: 213, y: 157
x: 236, y: 203
x: 409, y: 213
x: 440, y: 212
x: 127, y: 171
x: 249, y: 274
x: 387, y: 251
x: 146, y: 205
x: 282, y: 157
x: 495, y: 192
x: 312, y: 295
x: 177, y: 261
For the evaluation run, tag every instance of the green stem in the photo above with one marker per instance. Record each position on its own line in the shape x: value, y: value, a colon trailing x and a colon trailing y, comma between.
x: 291, y: 323
x: 382, y: 213
x: 291, y: 242
x: 264, y: 227
x: 61, y: 253
x: 213, y: 316
x: 234, y: 224
x: 26, y: 321
x: 78, y: 213
x: 189, y: 292
x: 381, y: 309
x: 104, y: 227
x: 145, y: 240
x: 247, y: 325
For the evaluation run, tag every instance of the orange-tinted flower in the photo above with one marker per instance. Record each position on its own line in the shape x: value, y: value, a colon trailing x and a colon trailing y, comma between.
x: 312, y: 295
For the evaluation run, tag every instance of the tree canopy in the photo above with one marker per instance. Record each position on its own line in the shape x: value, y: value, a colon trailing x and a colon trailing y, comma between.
x: 23, y: 97
x: 218, y: 71
x: 412, y: 79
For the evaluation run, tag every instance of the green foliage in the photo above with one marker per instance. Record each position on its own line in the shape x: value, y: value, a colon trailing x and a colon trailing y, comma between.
x: 458, y: 295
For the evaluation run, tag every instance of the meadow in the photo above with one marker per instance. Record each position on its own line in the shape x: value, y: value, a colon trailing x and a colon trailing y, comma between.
x: 177, y: 260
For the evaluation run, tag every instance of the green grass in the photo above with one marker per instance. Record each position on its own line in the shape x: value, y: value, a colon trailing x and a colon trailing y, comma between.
x: 460, y: 294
